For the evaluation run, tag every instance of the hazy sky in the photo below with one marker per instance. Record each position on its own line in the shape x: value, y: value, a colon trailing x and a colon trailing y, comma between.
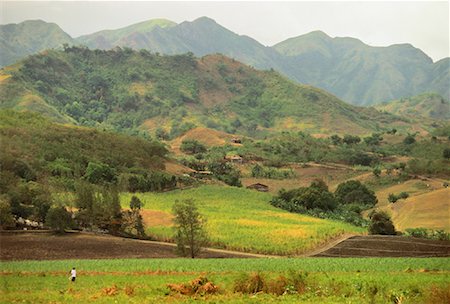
x: 423, y: 24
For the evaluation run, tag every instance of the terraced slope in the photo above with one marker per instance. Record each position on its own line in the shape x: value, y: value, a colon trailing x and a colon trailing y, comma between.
x: 388, y: 246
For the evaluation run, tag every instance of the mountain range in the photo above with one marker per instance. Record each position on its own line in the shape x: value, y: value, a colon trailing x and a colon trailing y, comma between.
x: 355, y: 72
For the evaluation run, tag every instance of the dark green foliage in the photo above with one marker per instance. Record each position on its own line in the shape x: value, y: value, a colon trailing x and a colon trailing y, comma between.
x: 190, y: 234
x: 409, y: 139
x: 381, y: 223
x: 136, y: 203
x: 446, y: 153
x: 99, y: 173
x: 191, y: 146
x: 225, y: 172
x: 428, y: 234
x: 151, y: 181
x: 392, y: 198
x: 351, y: 139
x: 98, y: 207
x: 316, y: 196
x: 373, y: 140
x: 132, y: 219
x: 354, y: 191
x: 29, y: 200
x: 6, y: 217
x: 336, y: 139
x: 317, y: 201
x: 59, y: 219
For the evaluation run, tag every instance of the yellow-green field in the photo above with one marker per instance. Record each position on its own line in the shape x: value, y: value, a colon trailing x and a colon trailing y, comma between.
x: 321, y: 280
x: 243, y: 220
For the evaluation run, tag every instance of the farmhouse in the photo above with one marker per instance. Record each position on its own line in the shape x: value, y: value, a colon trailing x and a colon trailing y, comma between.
x: 237, y: 159
x: 259, y: 187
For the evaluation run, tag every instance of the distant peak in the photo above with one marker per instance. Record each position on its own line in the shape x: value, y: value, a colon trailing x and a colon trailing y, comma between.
x: 205, y: 19
x: 318, y: 33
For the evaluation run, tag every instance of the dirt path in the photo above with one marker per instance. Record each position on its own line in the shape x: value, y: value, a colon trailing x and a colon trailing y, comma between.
x: 216, y: 251
x: 328, y: 245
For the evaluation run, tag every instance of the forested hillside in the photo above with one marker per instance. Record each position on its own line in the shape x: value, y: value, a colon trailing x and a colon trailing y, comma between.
x: 129, y: 91
x: 355, y: 72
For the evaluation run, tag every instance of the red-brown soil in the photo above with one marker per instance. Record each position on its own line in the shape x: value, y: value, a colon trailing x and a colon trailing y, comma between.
x: 387, y: 246
x: 48, y: 246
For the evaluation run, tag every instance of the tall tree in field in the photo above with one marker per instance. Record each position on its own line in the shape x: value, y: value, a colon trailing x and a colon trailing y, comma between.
x: 190, y: 234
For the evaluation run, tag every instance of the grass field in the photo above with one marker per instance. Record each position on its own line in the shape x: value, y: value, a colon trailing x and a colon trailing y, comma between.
x: 326, y: 280
x: 243, y: 220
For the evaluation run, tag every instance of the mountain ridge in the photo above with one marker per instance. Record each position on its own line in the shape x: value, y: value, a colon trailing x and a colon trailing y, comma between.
x: 345, y: 66
x: 130, y: 90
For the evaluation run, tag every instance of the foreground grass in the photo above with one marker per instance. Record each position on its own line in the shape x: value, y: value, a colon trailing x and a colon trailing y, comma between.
x: 242, y: 219
x: 328, y: 280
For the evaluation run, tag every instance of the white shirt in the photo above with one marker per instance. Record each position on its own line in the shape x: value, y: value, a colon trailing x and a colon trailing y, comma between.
x: 73, y: 272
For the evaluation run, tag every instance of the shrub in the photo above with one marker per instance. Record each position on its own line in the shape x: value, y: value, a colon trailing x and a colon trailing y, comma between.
x: 355, y: 192
x: 381, y: 223
x: 192, y: 146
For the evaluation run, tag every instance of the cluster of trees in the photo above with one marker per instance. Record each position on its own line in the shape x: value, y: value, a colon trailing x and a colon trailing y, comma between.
x: 346, y: 203
x: 192, y: 146
x: 393, y: 198
x: 102, y: 95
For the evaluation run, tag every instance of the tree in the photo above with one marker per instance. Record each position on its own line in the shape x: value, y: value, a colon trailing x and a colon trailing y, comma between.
x: 192, y: 146
x: 335, y: 139
x: 133, y: 219
x: 190, y: 234
x: 409, y: 139
x: 58, y: 218
x: 6, y: 217
x: 381, y: 223
x: 392, y: 198
x: 351, y: 139
x: 446, y: 153
x: 373, y: 140
x: 99, y: 173
x: 353, y: 191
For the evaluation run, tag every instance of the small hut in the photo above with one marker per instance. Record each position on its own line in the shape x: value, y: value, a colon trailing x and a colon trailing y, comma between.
x: 259, y: 187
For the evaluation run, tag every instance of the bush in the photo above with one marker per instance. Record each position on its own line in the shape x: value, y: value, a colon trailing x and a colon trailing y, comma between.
x: 100, y: 173
x: 381, y: 223
x: 58, y: 218
x: 425, y: 233
x: 355, y: 192
x: 192, y: 146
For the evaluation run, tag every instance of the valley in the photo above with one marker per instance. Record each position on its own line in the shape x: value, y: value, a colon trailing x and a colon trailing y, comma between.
x: 177, y: 162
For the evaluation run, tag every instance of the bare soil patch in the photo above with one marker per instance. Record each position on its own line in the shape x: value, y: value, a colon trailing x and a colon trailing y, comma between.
x: 387, y: 246
x: 48, y: 246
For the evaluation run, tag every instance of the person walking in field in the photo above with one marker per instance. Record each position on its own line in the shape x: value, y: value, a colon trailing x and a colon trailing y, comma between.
x: 73, y: 274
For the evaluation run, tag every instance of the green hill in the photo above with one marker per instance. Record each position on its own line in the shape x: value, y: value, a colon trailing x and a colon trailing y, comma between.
x: 132, y: 36
x: 426, y: 105
x: 20, y: 40
x: 346, y: 67
x: 129, y: 90
x: 35, y: 149
x: 359, y: 73
x: 353, y: 71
